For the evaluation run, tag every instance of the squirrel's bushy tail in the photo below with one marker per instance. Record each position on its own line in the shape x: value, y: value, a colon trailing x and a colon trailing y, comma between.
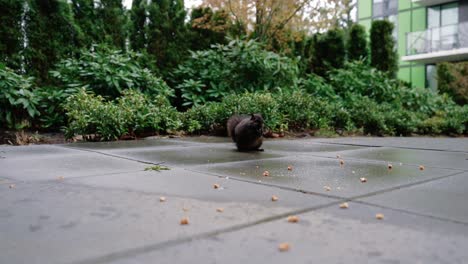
x: 232, y: 122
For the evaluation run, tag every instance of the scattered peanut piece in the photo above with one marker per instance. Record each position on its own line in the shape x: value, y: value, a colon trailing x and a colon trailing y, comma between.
x: 220, y: 210
x: 162, y: 199
x: 344, y: 206
x: 338, y: 156
x: 12, y: 186
x: 290, y: 167
x: 185, y: 209
x: 390, y: 166
x: 327, y: 188
x: 341, y: 162
x: 293, y: 219
x: 216, y: 186
x: 283, y: 247
x: 274, y: 198
x: 266, y: 173
x: 363, y: 179
x: 379, y: 216
x: 61, y: 177
x: 421, y: 167
x: 184, y: 221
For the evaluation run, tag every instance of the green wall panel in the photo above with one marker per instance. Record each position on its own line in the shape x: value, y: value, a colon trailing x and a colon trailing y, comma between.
x: 404, y: 4
x: 418, y: 76
x: 404, y: 74
x: 364, y: 8
x: 404, y: 26
x: 419, y: 20
x: 367, y: 24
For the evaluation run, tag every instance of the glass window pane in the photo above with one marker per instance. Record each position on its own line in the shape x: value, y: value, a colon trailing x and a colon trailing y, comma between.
x: 433, y: 17
x: 449, y: 14
x: 431, y: 77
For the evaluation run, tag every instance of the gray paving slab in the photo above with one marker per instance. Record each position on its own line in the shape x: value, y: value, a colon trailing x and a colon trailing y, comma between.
x: 63, y: 163
x: 427, y: 158
x: 78, y: 219
x: 194, y: 155
x: 331, y: 235
x: 26, y: 152
x: 435, y: 143
x: 129, y: 144
x: 304, y: 145
x: 446, y: 198
x: 312, y: 174
x: 188, y: 184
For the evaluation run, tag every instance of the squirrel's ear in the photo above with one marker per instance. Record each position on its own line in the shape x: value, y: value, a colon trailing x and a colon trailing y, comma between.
x: 253, y: 117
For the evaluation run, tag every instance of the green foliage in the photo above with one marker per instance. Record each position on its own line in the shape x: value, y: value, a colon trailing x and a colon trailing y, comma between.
x: 50, y: 106
x: 112, y: 23
x: 453, y: 79
x: 384, y: 56
x: 357, y: 43
x: 317, y: 86
x: 109, y: 72
x: 240, y: 66
x: 167, y: 33
x: 329, y: 51
x: 157, y: 168
x: 137, y: 28
x: 51, y: 34
x: 86, y: 18
x: 208, y: 28
x: 18, y: 105
x: 11, y: 38
x: 134, y: 113
x: 357, y: 78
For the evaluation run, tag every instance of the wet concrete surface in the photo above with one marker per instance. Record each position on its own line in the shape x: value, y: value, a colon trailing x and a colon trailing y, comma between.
x: 96, y: 203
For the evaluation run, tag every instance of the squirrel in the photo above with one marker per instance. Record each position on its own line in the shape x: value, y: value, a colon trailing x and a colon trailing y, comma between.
x: 246, y: 131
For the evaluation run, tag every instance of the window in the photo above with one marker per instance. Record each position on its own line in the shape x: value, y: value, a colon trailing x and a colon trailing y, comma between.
x: 442, y: 21
x: 431, y: 77
x: 384, y: 7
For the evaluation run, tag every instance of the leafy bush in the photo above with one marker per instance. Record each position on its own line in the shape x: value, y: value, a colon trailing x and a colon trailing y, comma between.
x: 317, y: 86
x: 329, y: 52
x: 18, y: 105
x: 357, y: 43
x: 108, y: 73
x: 453, y: 80
x: 51, y: 100
x: 357, y: 78
x: 213, y: 116
x: 132, y: 114
x: 239, y: 66
x: 384, y: 56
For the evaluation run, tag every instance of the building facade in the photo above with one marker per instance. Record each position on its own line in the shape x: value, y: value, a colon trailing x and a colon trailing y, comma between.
x: 427, y: 32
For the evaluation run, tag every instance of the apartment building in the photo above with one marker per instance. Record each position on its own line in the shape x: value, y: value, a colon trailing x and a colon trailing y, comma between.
x: 427, y: 32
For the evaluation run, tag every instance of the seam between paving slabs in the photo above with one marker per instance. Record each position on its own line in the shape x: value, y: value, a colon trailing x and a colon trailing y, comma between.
x: 129, y: 253
x: 377, y: 146
x: 304, y: 154
x: 413, y: 213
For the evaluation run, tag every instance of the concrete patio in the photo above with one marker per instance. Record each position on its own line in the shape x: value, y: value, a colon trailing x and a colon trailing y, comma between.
x: 96, y: 203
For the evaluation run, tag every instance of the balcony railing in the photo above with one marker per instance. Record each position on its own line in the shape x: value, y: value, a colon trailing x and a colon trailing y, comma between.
x: 437, y: 39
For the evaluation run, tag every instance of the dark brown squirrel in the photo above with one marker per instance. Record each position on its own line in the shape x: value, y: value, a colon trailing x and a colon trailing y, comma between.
x: 246, y: 131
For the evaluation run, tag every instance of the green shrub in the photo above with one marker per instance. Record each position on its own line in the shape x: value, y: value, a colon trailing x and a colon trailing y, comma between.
x: 18, y: 105
x: 357, y: 43
x: 317, y: 86
x: 239, y: 66
x: 384, y: 56
x: 108, y: 73
x: 51, y: 100
x: 132, y: 114
x: 357, y: 78
x: 329, y: 52
x: 304, y: 111
x: 453, y: 79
